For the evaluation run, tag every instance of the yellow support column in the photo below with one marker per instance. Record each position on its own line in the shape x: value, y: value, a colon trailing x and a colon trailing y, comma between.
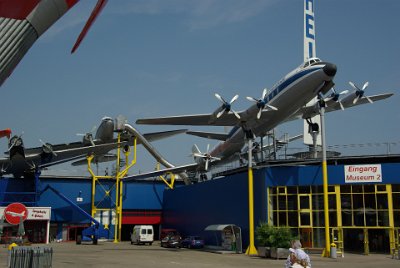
x: 251, y: 250
x: 392, y: 239
x: 117, y: 193
x: 326, y: 209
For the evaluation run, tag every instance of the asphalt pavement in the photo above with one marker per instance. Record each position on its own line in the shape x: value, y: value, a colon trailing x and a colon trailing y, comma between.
x: 109, y: 254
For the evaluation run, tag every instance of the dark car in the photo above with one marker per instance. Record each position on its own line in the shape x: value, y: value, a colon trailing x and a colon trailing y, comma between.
x: 193, y: 242
x: 171, y: 241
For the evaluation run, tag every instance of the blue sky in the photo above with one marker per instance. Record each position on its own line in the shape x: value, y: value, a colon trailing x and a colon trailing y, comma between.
x: 152, y: 58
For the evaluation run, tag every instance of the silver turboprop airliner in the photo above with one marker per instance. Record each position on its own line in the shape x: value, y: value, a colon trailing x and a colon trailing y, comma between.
x: 296, y: 96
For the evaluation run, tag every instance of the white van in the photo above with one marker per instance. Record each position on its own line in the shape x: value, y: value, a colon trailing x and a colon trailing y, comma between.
x: 142, y: 234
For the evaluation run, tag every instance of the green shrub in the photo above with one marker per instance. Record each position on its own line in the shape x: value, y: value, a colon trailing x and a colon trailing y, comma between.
x: 270, y: 236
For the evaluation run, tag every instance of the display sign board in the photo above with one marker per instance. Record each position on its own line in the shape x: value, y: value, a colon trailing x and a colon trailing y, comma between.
x: 363, y: 173
x: 15, y: 213
x: 33, y: 213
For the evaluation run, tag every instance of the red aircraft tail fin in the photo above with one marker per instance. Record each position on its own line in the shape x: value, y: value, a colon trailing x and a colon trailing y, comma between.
x: 96, y: 11
x: 5, y: 132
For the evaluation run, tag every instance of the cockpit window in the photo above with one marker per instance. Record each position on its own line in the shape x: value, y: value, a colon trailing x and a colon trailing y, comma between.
x: 311, y: 61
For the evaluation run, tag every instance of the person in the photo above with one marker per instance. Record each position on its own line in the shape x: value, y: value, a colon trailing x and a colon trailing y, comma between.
x: 297, y: 255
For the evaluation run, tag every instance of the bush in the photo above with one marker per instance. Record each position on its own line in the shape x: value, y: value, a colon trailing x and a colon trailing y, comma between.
x: 264, y: 232
x: 270, y: 236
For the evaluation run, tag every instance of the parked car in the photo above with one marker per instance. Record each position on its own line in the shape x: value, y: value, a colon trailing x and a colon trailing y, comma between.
x: 193, y: 242
x: 171, y: 241
x: 166, y: 232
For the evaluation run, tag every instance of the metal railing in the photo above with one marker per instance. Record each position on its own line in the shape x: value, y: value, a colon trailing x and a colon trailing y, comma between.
x: 33, y: 257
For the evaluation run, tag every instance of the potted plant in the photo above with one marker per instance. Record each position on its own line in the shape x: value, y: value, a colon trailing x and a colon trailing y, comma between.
x: 264, y: 232
x: 280, y: 242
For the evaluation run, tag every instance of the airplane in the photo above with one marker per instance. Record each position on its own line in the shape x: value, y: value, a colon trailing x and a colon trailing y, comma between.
x: 21, y: 161
x: 22, y: 22
x: 287, y: 100
x: 14, y: 214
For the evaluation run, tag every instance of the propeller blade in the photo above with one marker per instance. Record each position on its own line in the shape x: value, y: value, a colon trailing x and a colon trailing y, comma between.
x: 344, y: 92
x: 96, y: 11
x: 341, y: 105
x: 251, y: 99
x: 356, y: 100
x: 208, y: 148
x: 206, y: 166
x: 220, y: 113
x: 234, y: 99
x: 219, y: 97
x: 369, y: 100
x: 353, y: 86
x: 365, y: 85
x: 259, y: 113
x: 236, y: 114
x: 271, y: 107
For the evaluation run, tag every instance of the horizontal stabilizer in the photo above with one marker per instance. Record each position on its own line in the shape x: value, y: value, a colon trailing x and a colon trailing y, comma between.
x: 209, y: 135
x: 163, y: 134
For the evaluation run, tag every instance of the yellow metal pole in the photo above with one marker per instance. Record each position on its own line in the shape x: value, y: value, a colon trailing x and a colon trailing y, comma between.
x: 94, y: 178
x: 326, y: 208
x: 392, y: 239
x: 251, y: 250
x: 325, y: 181
x: 117, y: 212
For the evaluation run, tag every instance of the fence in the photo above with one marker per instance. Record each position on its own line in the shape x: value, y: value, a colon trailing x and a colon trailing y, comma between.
x: 32, y: 257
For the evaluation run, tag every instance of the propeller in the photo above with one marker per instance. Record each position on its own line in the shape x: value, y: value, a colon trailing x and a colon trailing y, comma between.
x: 205, y: 156
x: 335, y: 97
x: 360, y: 92
x: 15, y: 141
x: 226, y: 106
x: 96, y: 11
x: 47, y: 148
x: 261, y: 103
x: 88, y: 136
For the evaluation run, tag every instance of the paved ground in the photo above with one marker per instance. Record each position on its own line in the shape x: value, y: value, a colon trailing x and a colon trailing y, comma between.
x: 108, y: 254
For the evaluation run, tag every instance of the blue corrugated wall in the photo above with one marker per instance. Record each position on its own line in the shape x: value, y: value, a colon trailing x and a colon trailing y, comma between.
x: 192, y: 208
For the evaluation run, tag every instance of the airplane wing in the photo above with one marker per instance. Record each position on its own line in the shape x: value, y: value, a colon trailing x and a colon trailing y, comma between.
x: 61, y: 156
x: 156, y: 173
x: 228, y: 119
x: 209, y: 135
x: 76, y: 145
x: 310, y: 111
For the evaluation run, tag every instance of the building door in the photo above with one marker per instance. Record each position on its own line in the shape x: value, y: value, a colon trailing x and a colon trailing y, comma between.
x: 378, y: 240
x: 306, y: 237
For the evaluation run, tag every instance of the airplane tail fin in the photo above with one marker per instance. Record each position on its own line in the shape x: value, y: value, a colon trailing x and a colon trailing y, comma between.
x: 310, y: 52
x: 309, y: 30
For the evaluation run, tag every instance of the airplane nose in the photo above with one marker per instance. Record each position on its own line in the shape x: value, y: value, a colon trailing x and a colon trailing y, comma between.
x: 330, y: 69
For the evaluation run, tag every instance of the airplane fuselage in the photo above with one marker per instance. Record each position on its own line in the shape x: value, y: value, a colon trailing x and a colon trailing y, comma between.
x: 290, y: 94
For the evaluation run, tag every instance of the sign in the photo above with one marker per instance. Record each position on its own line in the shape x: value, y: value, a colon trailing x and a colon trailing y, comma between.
x: 362, y: 173
x: 15, y: 213
x: 34, y: 213
x: 38, y: 213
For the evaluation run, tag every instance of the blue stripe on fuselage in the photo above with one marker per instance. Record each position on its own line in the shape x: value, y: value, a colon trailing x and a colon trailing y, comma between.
x: 282, y: 86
